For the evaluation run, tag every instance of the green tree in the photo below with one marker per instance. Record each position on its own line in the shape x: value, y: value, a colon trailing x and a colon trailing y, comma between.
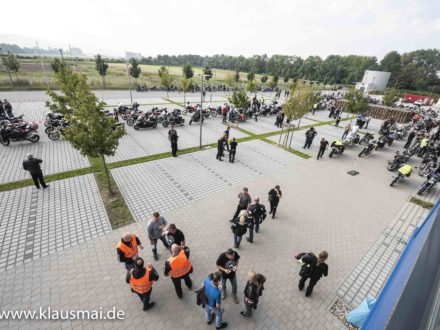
x: 101, y: 67
x: 240, y: 99
x: 356, y: 102
x: 286, y: 79
x: 264, y: 78
x: 300, y: 101
x: 251, y: 86
x: 390, y: 96
x: 237, y: 76
x: 57, y: 65
x: 91, y: 131
x: 250, y: 76
x: 185, y: 85
x: 207, y: 72
x: 273, y: 83
x: 11, y: 62
x: 165, y: 78
x: 135, y: 69
x: 188, y: 72
x: 229, y: 81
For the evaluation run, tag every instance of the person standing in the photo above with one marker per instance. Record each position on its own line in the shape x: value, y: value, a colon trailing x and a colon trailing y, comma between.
x: 224, y: 113
x: 274, y: 198
x: 179, y: 268
x: 257, y: 214
x: 347, y: 129
x: 227, y: 263
x: 233, y: 150
x: 367, y: 121
x: 220, y: 149
x: 141, y: 281
x: 338, y: 120
x: 127, y: 249
x: 226, y: 137
x: 175, y: 236
x: 310, y: 135
x: 239, y: 228
x: 313, y: 271
x: 155, y: 227
x: 213, y: 307
x: 411, y: 137
x: 244, y: 202
x: 323, y: 145
x: 33, y: 166
x: 173, y: 137
x: 116, y: 115
x: 252, y: 292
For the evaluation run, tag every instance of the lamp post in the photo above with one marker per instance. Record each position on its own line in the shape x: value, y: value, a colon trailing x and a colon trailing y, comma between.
x: 201, y: 111
x: 42, y: 64
x: 129, y: 80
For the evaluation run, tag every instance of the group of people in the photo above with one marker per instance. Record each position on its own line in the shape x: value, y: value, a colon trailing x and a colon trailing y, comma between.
x: 223, y: 143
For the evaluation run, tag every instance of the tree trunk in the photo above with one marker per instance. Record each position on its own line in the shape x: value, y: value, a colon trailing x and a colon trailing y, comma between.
x: 107, y: 174
x: 281, y: 134
x: 167, y: 93
x: 16, y: 77
x: 103, y: 81
x: 10, y: 78
x: 291, y: 138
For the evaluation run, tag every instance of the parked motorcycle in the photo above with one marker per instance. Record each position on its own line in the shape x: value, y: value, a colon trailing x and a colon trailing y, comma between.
x: 337, y: 148
x: 428, y: 164
x: 195, y: 118
x: 430, y: 182
x: 402, y: 172
x: 17, y: 133
x: 398, y: 161
x: 366, y: 139
x: 145, y: 122
x: 173, y: 120
x: 368, y: 149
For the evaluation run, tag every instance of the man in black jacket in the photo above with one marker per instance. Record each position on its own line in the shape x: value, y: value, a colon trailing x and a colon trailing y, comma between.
x: 252, y: 292
x: 257, y: 213
x: 33, y: 166
x: 173, y: 137
x: 314, y: 272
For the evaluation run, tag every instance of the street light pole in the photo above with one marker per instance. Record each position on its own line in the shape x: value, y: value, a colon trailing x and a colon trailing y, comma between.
x: 201, y: 113
x: 42, y: 64
x: 129, y: 81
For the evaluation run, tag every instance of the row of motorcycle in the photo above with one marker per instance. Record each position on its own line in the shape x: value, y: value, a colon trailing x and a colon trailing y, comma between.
x: 16, y: 129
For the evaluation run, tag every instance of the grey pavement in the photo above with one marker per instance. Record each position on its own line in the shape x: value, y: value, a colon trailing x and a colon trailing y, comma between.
x: 37, y: 223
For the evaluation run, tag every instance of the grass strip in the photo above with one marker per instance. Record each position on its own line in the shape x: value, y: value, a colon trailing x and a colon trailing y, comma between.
x: 174, y: 102
x: 422, y: 203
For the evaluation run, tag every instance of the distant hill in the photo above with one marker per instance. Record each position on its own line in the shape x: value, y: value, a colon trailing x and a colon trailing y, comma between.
x: 15, y: 49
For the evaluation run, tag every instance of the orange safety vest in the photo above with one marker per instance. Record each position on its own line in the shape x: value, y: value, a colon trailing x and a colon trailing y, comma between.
x: 129, y: 252
x: 180, y: 265
x: 143, y: 284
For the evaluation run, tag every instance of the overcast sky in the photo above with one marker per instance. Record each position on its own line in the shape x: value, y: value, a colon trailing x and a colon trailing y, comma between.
x: 235, y: 27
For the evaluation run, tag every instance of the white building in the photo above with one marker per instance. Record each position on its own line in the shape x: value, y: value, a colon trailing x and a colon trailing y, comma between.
x: 374, y: 80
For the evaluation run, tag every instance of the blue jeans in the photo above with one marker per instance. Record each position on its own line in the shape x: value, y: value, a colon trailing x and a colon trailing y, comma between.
x: 251, y: 229
x: 237, y: 239
x: 218, y: 315
x: 233, y: 284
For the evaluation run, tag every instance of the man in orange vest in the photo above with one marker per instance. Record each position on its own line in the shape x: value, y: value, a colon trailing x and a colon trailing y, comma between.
x: 141, y: 281
x: 127, y: 249
x: 179, y: 267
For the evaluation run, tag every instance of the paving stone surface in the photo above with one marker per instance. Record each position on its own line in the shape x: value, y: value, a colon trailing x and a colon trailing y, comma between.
x: 36, y: 223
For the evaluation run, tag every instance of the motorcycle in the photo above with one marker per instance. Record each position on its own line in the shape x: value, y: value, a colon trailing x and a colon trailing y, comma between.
x: 380, y: 143
x: 21, y: 132
x: 133, y: 117
x: 51, y: 118
x: 145, y: 122
x: 173, y: 120
x: 368, y: 149
x: 402, y: 172
x: 337, y: 148
x: 430, y: 182
x: 398, y: 161
x: 366, y: 139
x: 428, y: 164
x: 352, y: 139
x: 195, y: 118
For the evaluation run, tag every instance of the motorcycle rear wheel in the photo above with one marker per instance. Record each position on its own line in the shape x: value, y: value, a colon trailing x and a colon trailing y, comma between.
x: 5, y: 142
x: 165, y: 123
x: 49, y: 129
x: 130, y: 122
x: 34, y: 138
x: 136, y: 127
x: 54, y: 136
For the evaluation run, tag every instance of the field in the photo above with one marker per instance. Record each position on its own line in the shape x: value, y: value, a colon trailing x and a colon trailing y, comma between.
x: 31, y: 75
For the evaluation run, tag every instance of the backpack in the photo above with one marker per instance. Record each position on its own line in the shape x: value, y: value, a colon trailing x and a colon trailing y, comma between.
x: 309, y: 261
x: 201, y: 299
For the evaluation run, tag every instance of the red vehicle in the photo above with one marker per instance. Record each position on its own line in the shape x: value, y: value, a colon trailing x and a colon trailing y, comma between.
x: 417, y: 99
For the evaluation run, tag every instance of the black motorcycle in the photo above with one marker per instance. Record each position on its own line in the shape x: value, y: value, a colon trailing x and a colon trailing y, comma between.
x: 366, y: 139
x: 173, y: 120
x: 195, y: 118
x: 368, y: 149
x: 337, y: 148
x: 21, y: 132
x: 430, y: 182
x: 398, y: 161
x: 145, y: 122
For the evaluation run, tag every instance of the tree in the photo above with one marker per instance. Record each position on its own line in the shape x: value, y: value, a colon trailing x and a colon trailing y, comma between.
x: 135, y: 69
x: 251, y: 86
x: 240, y: 99
x: 101, y: 67
x: 300, y: 101
x: 207, y: 72
x: 185, y: 85
x: 390, y: 97
x: 57, y: 65
x: 11, y: 63
x: 230, y: 81
x: 273, y: 83
x: 237, y: 76
x: 91, y: 131
x: 165, y: 78
x: 286, y: 79
x: 250, y: 76
x: 356, y: 102
x: 188, y: 72
x: 264, y: 79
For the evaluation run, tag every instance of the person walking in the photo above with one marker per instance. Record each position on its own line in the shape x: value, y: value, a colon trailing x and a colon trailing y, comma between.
x: 239, y: 228
x: 141, y: 281
x: 367, y: 121
x: 227, y: 263
x: 310, y: 135
x: 274, y: 198
x: 257, y: 214
x: 411, y: 137
x: 347, y: 130
x: 173, y: 137
x: 32, y: 165
x: 312, y: 269
x: 213, y: 308
x: 252, y: 292
x: 220, y: 149
x: 127, y: 249
x: 233, y: 150
x: 179, y: 268
x: 226, y: 137
x: 338, y: 120
x: 244, y: 201
x: 155, y: 231
x: 323, y: 145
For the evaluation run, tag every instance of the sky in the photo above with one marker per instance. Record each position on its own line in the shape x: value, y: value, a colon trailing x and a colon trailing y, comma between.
x: 233, y: 27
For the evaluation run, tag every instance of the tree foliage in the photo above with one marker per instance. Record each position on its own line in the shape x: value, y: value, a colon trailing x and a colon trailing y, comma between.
x: 188, y: 72
x: 251, y: 86
x: 101, y: 67
x: 390, y: 96
x: 207, y: 72
x: 57, y: 65
x: 240, y: 99
x: 356, y: 102
x: 135, y: 69
x: 11, y: 62
x: 264, y: 79
x: 250, y: 76
x: 165, y: 78
x: 237, y: 76
x: 184, y: 86
x: 91, y: 131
